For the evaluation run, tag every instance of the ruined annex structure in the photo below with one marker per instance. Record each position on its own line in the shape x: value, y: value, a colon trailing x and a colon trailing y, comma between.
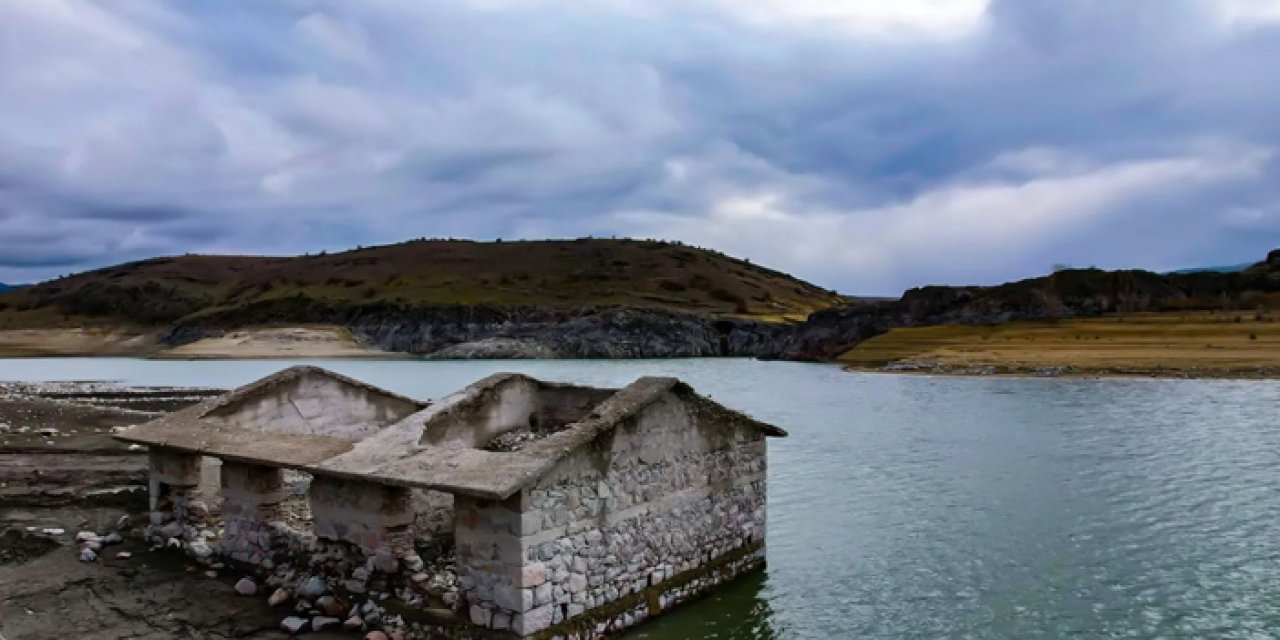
x: 512, y: 508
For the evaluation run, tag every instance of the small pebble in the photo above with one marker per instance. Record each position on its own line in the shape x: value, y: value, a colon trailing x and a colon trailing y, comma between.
x: 279, y: 597
x: 246, y: 587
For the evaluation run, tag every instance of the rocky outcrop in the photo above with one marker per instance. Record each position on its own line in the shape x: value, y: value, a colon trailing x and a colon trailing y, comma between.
x: 1065, y: 294
x: 514, y: 332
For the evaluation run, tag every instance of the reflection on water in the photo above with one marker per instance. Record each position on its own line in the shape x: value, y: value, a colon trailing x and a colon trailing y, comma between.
x: 920, y: 507
x: 738, y: 611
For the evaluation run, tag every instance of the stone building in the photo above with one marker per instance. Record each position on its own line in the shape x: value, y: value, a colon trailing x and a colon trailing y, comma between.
x: 511, y: 508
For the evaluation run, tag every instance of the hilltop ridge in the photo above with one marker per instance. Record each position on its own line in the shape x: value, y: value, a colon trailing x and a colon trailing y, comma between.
x: 554, y: 298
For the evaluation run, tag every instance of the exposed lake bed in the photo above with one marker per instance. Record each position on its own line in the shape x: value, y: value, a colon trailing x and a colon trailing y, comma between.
x: 942, y: 506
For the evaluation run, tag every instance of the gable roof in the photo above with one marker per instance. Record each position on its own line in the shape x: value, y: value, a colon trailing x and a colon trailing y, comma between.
x: 401, y: 453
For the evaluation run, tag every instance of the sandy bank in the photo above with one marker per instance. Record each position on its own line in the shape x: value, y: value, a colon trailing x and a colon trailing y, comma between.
x: 1171, y: 344
x: 283, y: 342
x: 34, y: 343
x: 275, y: 342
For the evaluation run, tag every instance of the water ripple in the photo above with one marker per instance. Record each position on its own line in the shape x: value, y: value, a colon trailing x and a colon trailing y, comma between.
x: 921, y: 507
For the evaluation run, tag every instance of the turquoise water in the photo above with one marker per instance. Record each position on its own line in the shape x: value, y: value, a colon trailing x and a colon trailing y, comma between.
x: 906, y: 506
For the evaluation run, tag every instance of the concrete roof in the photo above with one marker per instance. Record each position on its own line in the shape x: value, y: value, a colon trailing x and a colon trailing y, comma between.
x: 401, y: 453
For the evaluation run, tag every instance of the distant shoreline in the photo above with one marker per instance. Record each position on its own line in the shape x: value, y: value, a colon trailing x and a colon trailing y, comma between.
x: 1201, y: 345
x: 1071, y: 373
x: 1171, y: 345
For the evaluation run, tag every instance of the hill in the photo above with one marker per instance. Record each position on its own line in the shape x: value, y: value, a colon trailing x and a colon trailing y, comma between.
x: 425, y: 295
x: 1073, y: 293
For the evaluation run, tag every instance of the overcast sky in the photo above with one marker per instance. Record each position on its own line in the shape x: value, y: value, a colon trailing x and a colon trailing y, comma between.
x: 865, y: 145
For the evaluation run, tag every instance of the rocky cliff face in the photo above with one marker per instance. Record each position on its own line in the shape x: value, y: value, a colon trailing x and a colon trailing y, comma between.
x: 517, y: 332
x: 1073, y: 293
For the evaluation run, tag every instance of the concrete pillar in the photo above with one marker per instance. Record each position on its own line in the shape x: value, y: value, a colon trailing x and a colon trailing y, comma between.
x: 173, y: 474
x: 377, y: 518
x: 251, y: 497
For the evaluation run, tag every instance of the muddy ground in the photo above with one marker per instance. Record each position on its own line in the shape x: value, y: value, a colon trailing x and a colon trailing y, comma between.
x: 61, y: 473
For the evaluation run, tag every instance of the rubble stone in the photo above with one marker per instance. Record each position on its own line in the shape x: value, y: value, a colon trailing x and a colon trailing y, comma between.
x: 293, y: 624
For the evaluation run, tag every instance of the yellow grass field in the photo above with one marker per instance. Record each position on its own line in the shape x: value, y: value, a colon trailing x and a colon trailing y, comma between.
x: 1208, y: 344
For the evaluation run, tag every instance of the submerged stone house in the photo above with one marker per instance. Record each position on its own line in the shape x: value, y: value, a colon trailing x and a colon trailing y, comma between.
x: 512, y: 508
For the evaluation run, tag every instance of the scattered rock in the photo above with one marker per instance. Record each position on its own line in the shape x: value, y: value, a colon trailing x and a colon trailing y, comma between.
x: 113, y: 538
x: 172, y: 530
x: 293, y: 624
x: 314, y: 587
x: 87, y: 555
x: 376, y: 635
x: 246, y: 586
x: 200, y: 549
x: 85, y: 536
x: 320, y: 623
x: 413, y: 563
x: 123, y: 555
x: 198, y: 509
x: 211, y: 574
x: 53, y: 531
x: 331, y: 605
x: 124, y: 523
x: 353, y: 623
x: 279, y: 597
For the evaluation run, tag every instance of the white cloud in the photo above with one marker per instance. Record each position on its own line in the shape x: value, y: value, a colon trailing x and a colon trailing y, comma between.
x: 1248, y: 12
x: 988, y: 227
x: 885, y: 18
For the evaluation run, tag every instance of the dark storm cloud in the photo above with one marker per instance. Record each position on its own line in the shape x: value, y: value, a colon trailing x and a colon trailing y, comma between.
x: 866, y: 145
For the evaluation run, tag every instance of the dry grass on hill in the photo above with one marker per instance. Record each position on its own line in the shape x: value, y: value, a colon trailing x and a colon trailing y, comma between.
x: 564, y: 273
x: 1201, y: 343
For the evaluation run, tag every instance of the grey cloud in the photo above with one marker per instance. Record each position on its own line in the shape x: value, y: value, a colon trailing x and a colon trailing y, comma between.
x: 289, y: 127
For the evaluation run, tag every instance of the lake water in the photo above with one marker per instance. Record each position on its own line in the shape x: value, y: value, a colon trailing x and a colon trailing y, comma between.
x: 931, y: 507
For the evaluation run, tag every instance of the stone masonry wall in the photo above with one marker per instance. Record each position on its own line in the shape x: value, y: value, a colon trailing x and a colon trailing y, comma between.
x: 251, y: 497
x: 653, y: 514
x: 369, y: 515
